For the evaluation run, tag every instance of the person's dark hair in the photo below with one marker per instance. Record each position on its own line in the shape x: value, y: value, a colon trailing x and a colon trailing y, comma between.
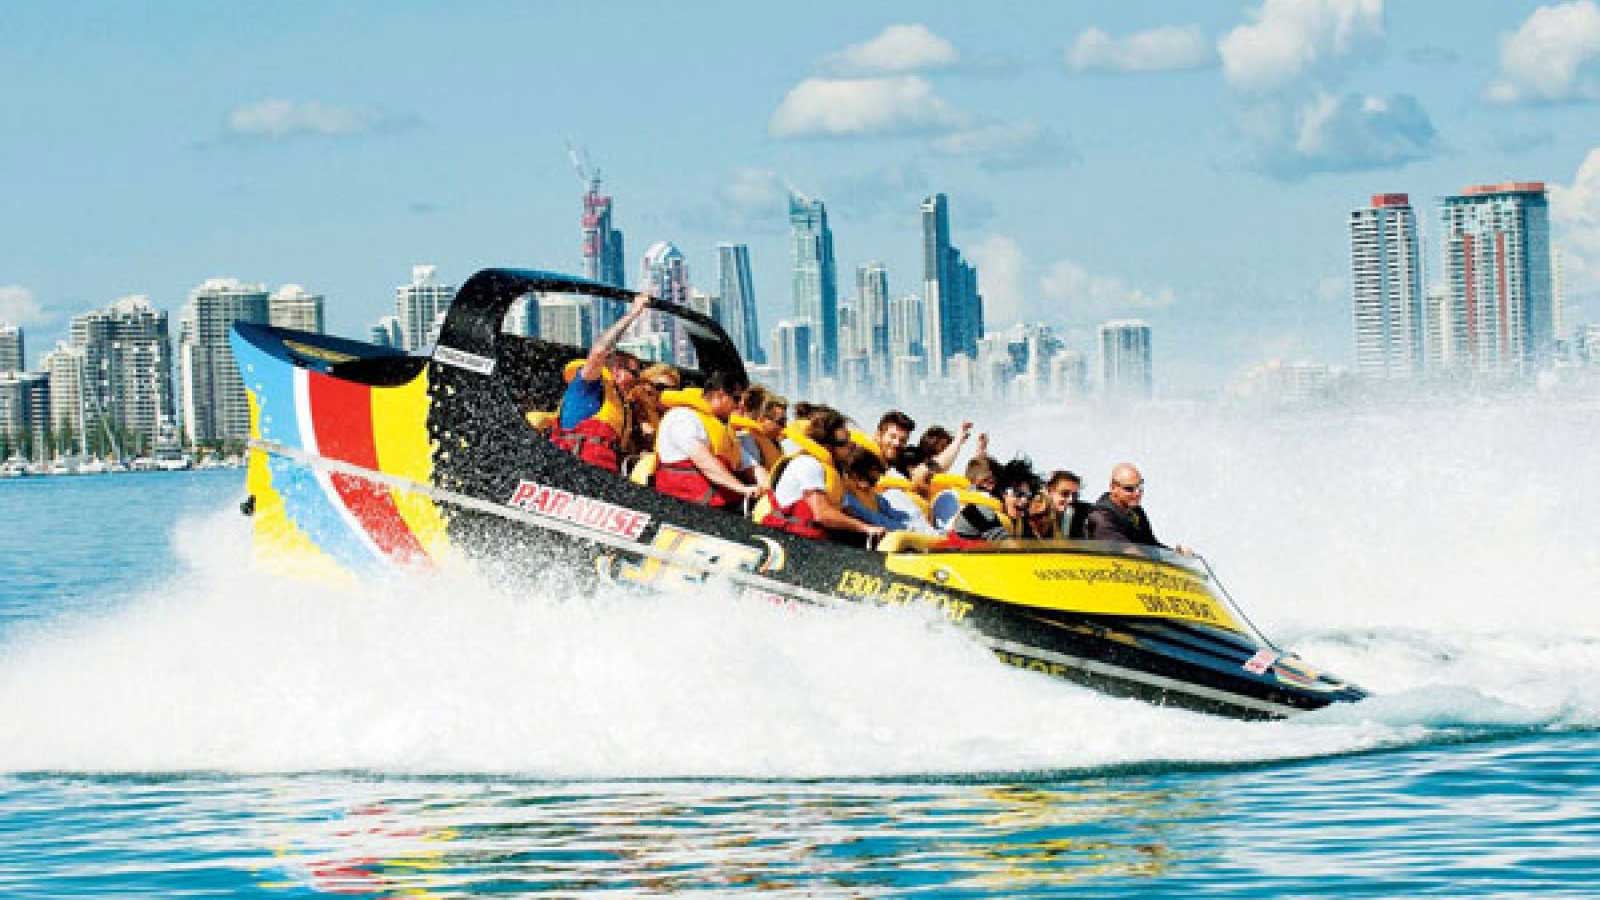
x: 898, y: 418
x: 1061, y: 475
x: 1016, y: 473
x: 726, y: 382
x: 803, y: 409
x: 771, y: 402
x: 823, y: 423
x: 755, y: 397
x: 935, y: 440
x: 980, y: 467
x: 863, y: 463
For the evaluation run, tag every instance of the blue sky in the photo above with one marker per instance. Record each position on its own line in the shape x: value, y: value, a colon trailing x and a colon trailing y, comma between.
x: 1189, y: 163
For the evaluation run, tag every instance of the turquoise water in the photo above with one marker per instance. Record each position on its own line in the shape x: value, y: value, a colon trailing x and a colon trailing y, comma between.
x: 174, y: 724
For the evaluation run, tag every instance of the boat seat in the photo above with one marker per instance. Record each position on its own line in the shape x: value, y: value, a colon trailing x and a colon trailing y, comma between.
x: 643, y: 468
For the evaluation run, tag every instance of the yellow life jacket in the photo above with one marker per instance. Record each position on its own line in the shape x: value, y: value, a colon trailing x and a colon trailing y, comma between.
x: 832, y: 484
x: 893, y: 481
x: 721, y: 439
x: 946, y: 480
x: 862, y: 439
x: 613, y: 409
x: 770, y: 452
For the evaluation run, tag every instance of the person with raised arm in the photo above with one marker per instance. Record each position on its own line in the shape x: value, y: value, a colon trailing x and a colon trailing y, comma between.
x: 595, y: 417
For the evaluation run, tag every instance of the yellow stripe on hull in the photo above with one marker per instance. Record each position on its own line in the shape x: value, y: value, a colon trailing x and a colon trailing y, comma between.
x: 400, y: 434
x: 280, y: 546
x: 1067, y: 582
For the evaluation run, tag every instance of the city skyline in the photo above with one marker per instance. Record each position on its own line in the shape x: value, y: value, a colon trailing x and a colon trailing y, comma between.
x: 1090, y: 150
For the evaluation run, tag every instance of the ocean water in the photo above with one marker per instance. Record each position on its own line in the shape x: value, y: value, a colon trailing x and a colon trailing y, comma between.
x: 173, y: 723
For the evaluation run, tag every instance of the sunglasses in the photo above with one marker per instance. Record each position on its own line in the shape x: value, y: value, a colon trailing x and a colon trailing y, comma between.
x: 663, y: 385
x: 1019, y: 493
x: 1131, y: 488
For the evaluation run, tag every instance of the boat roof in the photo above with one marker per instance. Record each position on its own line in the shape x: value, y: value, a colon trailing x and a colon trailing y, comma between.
x: 472, y: 325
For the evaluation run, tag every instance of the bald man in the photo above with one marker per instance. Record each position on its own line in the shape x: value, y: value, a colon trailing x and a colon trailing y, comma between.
x: 1118, y: 515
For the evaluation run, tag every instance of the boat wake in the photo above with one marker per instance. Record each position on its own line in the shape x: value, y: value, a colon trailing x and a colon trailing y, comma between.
x: 224, y: 669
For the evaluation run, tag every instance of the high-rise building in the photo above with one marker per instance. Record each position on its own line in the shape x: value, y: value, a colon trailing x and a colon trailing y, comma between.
x: 952, y: 304
x: 1386, y: 287
x: 792, y: 353
x: 564, y: 319
x: 905, y: 326
x: 1558, y: 293
x: 816, y: 278
x: 1439, y: 347
x: 212, y: 397
x: 292, y: 306
x: 603, y: 259
x: 24, y: 411
x: 1125, y: 369
x: 128, y: 371
x: 522, y: 317
x: 11, y: 347
x: 739, y: 301
x: 666, y: 275
x: 64, y: 366
x: 872, y: 318
x: 420, y: 306
x: 1069, y: 375
x: 386, y: 333
x: 1497, y: 265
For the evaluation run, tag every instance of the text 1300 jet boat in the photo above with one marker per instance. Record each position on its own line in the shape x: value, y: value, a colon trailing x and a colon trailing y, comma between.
x: 363, y: 456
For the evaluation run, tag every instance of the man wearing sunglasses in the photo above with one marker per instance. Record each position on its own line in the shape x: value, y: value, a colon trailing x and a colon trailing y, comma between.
x: 1119, y: 514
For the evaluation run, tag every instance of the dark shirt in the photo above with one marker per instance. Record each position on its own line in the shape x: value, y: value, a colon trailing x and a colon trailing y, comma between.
x: 981, y: 523
x: 1107, y: 521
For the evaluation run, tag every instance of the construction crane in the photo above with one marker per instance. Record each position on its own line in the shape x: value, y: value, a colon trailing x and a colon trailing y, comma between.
x: 587, y: 175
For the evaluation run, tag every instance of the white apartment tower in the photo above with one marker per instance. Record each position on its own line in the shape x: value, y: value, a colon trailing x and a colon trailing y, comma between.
x: 128, y: 369
x: 420, y: 307
x: 212, y: 397
x: 1386, y: 288
x: 11, y: 356
x: 1497, y: 266
x: 1125, y: 367
x: 292, y: 306
x: 64, y: 366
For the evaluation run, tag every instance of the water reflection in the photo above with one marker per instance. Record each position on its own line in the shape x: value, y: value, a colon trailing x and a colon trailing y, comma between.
x: 430, y: 839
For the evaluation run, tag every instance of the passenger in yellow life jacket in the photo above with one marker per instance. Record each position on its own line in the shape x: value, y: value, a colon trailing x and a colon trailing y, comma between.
x: 808, y: 497
x: 1015, y: 485
x: 644, y: 402
x: 696, y: 452
x: 759, y: 426
x: 906, y: 496
x: 594, y: 417
x: 950, y: 493
x: 894, y: 432
x: 799, y: 424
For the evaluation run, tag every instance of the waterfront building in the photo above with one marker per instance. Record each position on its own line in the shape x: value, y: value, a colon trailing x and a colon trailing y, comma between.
x: 603, y: 259
x: 563, y: 319
x: 127, y: 371
x: 1496, y: 242
x: 211, y: 393
x: 386, y: 333
x: 905, y: 326
x: 1069, y: 375
x: 1439, y: 330
x: 816, y: 280
x: 793, y: 354
x: 848, y: 346
x: 872, y: 318
x: 908, y: 373
x: 666, y: 275
x: 292, y: 306
x: 420, y: 306
x: 739, y: 301
x: 1558, y: 293
x: 952, y: 305
x: 12, y: 358
x: 1125, y: 361
x: 24, y: 411
x: 522, y: 317
x: 65, y: 368
x: 1386, y: 288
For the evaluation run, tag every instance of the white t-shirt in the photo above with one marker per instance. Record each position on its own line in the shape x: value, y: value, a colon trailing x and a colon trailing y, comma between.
x: 802, y: 475
x: 680, y: 431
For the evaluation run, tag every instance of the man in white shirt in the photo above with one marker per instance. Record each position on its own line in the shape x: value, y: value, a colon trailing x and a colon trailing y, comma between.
x: 690, y: 464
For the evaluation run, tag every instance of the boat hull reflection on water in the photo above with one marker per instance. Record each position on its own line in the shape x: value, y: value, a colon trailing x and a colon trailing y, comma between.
x: 366, y: 457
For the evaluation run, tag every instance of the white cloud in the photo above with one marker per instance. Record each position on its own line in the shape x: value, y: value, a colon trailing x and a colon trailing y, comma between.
x: 1007, y: 146
x: 1000, y: 279
x: 843, y: 107
x: 899, y: 49
x: 1330, y: 133
x: 1293, y: 38
x: 274, y: 118
x: 1156, y: 50
x: 18, y: 306
x: 1077, y: 294
x: 1553, y: 56
x: 1575, y: 211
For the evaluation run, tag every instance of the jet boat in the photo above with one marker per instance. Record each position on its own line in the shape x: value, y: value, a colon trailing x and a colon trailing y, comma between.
x: 364, y: 457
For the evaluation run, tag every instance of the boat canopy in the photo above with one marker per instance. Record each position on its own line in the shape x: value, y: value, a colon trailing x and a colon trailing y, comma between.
x: 472, y: 329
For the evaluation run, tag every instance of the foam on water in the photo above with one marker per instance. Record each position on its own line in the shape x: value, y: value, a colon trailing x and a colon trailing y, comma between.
x: 1445, y: 562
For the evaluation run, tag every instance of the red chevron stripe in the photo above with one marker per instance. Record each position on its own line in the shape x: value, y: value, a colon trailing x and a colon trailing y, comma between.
x: 341, y: 413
